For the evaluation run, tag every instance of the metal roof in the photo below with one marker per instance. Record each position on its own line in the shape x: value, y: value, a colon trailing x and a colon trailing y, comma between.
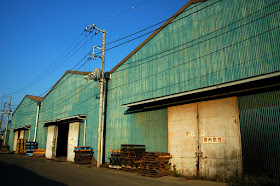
x: 156, y: 32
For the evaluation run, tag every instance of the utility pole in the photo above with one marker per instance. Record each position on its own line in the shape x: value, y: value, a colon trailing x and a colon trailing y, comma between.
x: 90, y: 28
x: 8, y: 114
x: 2, y: 114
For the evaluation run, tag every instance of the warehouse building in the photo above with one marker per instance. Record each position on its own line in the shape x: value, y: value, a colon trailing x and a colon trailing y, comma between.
x: 24, y: 120
x: 203, y: 87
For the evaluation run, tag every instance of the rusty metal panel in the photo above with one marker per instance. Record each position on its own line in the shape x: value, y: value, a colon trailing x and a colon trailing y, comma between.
x: 260, y: 133
x: 221, y: 154
x: 215, y: 121
x: 183, y: 138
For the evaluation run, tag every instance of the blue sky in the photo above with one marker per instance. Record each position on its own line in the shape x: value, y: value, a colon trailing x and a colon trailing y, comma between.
x: 37, y: 33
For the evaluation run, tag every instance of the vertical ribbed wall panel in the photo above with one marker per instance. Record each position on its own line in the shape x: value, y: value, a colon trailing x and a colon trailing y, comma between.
x: 74, y: 96
x: 206, y: 45
x: 24, y: 115
x: 260, y: 133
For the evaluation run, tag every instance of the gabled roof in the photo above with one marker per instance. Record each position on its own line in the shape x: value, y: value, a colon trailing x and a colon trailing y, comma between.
x: 34, y: 98
x: 40, y: 99
x: 156, y: 32
x: 67, y: 72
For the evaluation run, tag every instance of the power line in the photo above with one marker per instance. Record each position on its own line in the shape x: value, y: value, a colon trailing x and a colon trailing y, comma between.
x: 193, y: 59
x: 49, y: 68
x: 53, y: 65
x: 200, y: 37
x: 110, y: 19
x: 198, y: 77
x: 137, y: 37
x: 229, y: 24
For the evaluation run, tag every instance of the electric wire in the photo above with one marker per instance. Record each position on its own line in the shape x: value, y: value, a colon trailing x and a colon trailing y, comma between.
x: 192, y: 59
x: 200, y: 37
x: 138, y: 36
x: 197, y: 77
x: 49, y: 69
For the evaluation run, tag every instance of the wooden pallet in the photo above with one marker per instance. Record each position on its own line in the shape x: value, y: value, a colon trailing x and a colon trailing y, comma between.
x: 39, y: 153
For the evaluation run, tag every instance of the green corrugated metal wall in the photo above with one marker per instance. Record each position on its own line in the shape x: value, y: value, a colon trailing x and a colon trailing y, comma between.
x: 224, y: 42
x: 260, y: 133
x: 147, y: 128
x: 73, y: 95
x: 228, y: 41
x: 24, y: 115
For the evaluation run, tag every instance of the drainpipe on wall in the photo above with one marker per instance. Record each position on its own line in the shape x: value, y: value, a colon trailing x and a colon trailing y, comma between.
x: 85, y: 126
x: 37, y: 118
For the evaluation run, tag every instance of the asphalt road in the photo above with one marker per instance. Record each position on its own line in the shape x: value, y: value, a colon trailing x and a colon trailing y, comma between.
x: 23, y: 170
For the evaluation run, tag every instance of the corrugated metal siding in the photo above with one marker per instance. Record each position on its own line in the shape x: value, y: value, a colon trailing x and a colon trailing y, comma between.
x: 260, y: 133
x: 229, y: 41
x: 149, y: 128
x: 74, y: 96
x: 225, y: 42
x: 24, y: 115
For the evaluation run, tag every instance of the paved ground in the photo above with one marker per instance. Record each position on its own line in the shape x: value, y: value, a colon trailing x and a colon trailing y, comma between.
x: 23, y: 170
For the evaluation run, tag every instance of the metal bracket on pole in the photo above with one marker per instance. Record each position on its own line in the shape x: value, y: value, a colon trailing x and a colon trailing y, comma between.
x: 90, y: 29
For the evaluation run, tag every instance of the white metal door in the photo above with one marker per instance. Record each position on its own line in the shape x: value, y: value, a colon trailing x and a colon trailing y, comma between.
x: 73, y: 136
x: 220, y: 138
x: 21, y: 134
x: 15, y: 141
x: 183, y: 138
x: 51, y: 141
x: 204, y: 138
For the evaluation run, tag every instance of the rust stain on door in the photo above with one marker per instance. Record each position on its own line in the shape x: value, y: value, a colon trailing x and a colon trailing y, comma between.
x: 182, y: 138
x: 220, y: 119
x: 218, y: 122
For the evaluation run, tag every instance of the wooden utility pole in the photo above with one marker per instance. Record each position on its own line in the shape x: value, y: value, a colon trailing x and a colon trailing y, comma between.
x: 8, y: 115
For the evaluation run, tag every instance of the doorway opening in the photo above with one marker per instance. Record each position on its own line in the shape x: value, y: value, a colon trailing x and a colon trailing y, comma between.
x: 62, y: 140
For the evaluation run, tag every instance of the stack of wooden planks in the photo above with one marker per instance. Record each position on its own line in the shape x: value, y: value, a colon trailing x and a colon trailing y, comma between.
x: 130, y: 155
x: 83, y: 154
x: 154, y: 164
x: 115, y: 159
x: 39, y: 153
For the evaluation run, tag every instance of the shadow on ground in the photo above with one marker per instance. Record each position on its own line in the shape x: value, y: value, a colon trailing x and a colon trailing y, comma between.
x: 15, y: 175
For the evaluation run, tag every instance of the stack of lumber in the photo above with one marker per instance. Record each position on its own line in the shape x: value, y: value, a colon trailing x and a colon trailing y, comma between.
x: 154, y: 164
x: 130, y: 156
x: 39, y: 153
x: 20, y: 146
x: 29, y: 147
x: 115, y: 159
x: 83, y: 154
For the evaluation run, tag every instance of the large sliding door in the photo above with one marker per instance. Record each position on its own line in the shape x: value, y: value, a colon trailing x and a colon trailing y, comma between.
x: 204, y: 138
